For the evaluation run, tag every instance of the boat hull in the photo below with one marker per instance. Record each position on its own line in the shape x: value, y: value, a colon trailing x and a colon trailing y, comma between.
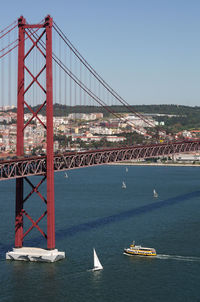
x: 139, y: 253
x: 97, y: 269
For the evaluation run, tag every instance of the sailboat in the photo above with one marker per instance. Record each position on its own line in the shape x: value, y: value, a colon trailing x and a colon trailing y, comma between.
x: 66, y: 175
x: 97, y: 263
x: 155, y: 194
x: 123, y: 185
x: 126, y: 169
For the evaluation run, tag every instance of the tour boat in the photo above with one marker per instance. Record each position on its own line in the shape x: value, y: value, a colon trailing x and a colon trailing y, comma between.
x: 97, y: 263
x: 138, y: 250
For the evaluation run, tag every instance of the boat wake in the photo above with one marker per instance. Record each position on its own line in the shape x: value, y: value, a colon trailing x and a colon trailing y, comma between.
x: 168, y: 257
x: 178, y: 258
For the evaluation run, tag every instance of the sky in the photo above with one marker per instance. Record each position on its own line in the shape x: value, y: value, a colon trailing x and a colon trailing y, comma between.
x: 147, y: 50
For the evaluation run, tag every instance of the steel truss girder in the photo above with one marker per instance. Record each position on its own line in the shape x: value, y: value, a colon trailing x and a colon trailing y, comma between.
x: 37, y: 165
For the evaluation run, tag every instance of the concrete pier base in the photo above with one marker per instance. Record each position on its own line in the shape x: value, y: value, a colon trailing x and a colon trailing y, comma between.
x: 35, y: 254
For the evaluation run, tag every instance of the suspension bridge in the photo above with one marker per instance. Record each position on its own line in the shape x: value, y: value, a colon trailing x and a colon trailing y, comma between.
x: 41, y: 68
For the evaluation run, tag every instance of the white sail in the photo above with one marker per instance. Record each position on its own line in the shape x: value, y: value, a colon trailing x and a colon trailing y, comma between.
x: 97, y: 263
x: 126, y: 169
x: 123, y: 185
x: 155, y: 194
x: 66, y: 176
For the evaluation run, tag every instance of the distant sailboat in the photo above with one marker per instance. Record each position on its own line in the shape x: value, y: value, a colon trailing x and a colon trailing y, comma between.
x: 123, y: 185
x: 66, y: 175
x: 155, y: 194
x: 97, y: 263
x: 126, y: 169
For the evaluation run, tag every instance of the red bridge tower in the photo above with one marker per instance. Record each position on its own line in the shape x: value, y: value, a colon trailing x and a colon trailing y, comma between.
x: 28, y: 32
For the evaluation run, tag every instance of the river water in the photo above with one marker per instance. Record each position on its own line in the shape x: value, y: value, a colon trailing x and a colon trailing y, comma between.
x: 92, y: 210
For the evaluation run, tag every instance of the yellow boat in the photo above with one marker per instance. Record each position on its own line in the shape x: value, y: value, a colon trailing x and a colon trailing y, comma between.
x: 138, y: 250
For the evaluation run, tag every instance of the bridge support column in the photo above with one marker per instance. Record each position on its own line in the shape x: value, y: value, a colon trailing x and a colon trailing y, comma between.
x: 50, y: 254
x: 20, y: 134
x: 19, y: 213
x: 50, y: 151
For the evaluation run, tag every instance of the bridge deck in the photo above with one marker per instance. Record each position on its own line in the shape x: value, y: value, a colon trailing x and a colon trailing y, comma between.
x: 36, y: 165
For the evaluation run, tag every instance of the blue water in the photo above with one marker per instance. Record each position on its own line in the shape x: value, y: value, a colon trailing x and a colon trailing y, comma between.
x: 92, y: 210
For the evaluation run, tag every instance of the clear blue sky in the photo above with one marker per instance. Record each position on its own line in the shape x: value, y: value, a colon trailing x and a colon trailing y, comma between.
x: 147, y: 50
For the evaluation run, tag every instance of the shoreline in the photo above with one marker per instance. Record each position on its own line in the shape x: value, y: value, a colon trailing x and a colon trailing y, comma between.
x: 154, y: 164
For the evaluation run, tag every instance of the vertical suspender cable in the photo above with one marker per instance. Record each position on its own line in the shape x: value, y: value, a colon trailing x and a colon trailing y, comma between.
x: 65, y: 81
x: 9, y: 74
x: 80, y: 90
x: 60, y: 72
x: 75, y: 89
x: 70, y: 89
x: 2, y: 79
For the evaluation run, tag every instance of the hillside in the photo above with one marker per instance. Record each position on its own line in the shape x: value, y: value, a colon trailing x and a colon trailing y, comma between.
x: 185, y: 117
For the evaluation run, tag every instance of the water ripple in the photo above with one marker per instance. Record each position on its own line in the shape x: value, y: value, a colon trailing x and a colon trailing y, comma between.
x: 85, y: 227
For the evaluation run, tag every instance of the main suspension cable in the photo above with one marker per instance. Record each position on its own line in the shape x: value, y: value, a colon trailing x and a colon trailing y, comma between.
x: 16, y: 45
x: 8, y: 26
x: 8, y: 31
x: 84, y: 87
x: 97, y: 76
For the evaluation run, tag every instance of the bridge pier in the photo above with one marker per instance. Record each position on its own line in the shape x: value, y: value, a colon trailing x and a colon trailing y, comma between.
x: 35, y: 254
